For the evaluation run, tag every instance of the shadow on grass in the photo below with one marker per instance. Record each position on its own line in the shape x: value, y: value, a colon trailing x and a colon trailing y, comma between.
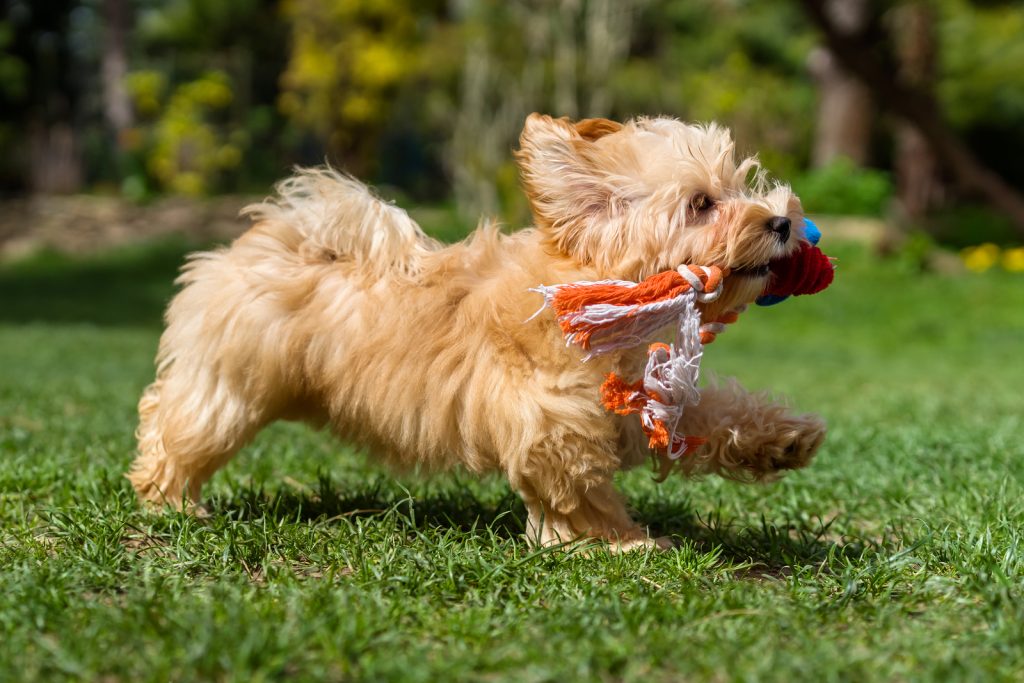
x: 447, y: 510
x: 129, y: 286
x: 769, y: 548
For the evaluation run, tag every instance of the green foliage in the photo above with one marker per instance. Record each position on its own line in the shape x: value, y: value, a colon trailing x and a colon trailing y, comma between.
x: 13, y: 87
x: 382, y: 88
x: 350, y: 59
x: 894, y: 557
x: 13, y: 71
x: 968, y: 224
x: 981, y: 84
x: 203, y: 84
x: 844, y: 188
x: 768, y: 112
x: 188, y: 148
x: 203, y: 26
x: 147, y: 89
x: 741, y: 64
x: 916, y: 252
x: 982, y: 50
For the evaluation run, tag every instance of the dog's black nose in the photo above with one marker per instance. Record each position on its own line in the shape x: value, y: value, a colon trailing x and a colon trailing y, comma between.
x: 780, y: 225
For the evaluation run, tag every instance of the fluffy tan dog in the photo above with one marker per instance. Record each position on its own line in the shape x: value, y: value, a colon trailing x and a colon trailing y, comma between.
x: 336, y: 309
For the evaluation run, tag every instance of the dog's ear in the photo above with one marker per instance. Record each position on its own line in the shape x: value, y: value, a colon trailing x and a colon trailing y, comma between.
x: 592, y: 129
x: 568, y: 191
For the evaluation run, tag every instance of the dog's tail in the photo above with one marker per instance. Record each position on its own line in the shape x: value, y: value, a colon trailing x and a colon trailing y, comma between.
x: 335, y: 217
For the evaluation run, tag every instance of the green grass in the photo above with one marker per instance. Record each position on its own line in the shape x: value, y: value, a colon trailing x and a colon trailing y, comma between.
x: 897, y: 555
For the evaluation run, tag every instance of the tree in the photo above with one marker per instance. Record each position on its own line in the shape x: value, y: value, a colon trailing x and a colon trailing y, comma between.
x: 845, y: 108
x: 46, y: 100
x: 918, y: 188
x: 350, y: 61
x: 523, y: 56
x: 868, y: 54
x: 117, y: 106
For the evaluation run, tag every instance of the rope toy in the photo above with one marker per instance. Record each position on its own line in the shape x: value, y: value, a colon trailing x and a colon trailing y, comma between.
x: 614, y: 315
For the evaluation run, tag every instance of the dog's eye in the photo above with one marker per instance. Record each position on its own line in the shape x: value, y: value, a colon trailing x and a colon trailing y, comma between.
x: 700, y: 202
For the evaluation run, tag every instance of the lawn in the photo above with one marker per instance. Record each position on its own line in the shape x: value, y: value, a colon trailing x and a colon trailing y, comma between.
x: 897, y: 555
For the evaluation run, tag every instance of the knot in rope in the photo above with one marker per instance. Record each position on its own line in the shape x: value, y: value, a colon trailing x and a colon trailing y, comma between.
x: 706, y: 281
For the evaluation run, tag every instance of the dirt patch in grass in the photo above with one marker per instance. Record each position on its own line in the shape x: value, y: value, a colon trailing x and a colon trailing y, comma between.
x: 86, y: 223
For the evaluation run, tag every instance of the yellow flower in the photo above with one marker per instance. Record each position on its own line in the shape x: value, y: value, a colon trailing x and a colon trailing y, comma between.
x: 147, y: 89
x: 980, y: 258
x: 378, y: 65
x: 1013, y: 260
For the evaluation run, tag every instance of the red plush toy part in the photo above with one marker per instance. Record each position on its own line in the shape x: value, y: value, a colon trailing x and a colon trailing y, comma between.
x: 808, y: 271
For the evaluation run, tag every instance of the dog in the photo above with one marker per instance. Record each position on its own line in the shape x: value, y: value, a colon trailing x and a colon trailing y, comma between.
x: 335, y: 309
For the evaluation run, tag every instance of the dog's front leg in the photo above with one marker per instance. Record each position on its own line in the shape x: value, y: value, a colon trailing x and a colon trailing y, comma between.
x: 750, y: 436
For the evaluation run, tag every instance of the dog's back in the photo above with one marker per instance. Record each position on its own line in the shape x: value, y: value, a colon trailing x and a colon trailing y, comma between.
x: 327, y: 216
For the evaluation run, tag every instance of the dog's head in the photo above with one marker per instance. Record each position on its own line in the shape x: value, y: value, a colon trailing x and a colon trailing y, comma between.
x: 638, y: 198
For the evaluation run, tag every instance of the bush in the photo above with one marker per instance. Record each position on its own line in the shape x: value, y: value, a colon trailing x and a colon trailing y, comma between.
x: 842, y: 187
x: 965, y: 225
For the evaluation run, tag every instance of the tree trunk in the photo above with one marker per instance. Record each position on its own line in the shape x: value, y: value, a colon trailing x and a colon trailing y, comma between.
x: 117, y: 107
x: 863, y: 54
x: 845, y: 113
x: 54, y: 164
x: 845, y: 109
x: 917, y: 181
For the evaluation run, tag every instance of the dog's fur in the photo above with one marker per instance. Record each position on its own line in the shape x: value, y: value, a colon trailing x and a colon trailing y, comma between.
x: 335, y: 309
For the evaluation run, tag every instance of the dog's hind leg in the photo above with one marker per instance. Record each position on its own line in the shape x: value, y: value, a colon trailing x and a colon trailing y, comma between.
x: 599, y: 514
x: 569, y: 495
x: 189, y: 427
x: 220, y: 367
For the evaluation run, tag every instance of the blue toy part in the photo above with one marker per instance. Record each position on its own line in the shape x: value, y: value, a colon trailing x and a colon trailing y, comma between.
x: 812, y: 234
x: 811, y: 231
x: 770, y: 299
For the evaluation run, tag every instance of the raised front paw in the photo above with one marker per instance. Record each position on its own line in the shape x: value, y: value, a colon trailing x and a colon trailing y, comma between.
x: 760, y: 447
x: 790, y: 444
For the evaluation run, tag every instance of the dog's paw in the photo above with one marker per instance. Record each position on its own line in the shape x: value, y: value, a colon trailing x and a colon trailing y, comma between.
x: 796, y: 440
x: 646, y: 543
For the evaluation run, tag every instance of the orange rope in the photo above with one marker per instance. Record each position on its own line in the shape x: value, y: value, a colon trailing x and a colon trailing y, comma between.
x: 660, y: 287
x: 623, y: 398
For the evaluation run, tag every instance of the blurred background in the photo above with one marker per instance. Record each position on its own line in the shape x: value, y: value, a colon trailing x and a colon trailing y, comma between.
x: 122, y: 119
